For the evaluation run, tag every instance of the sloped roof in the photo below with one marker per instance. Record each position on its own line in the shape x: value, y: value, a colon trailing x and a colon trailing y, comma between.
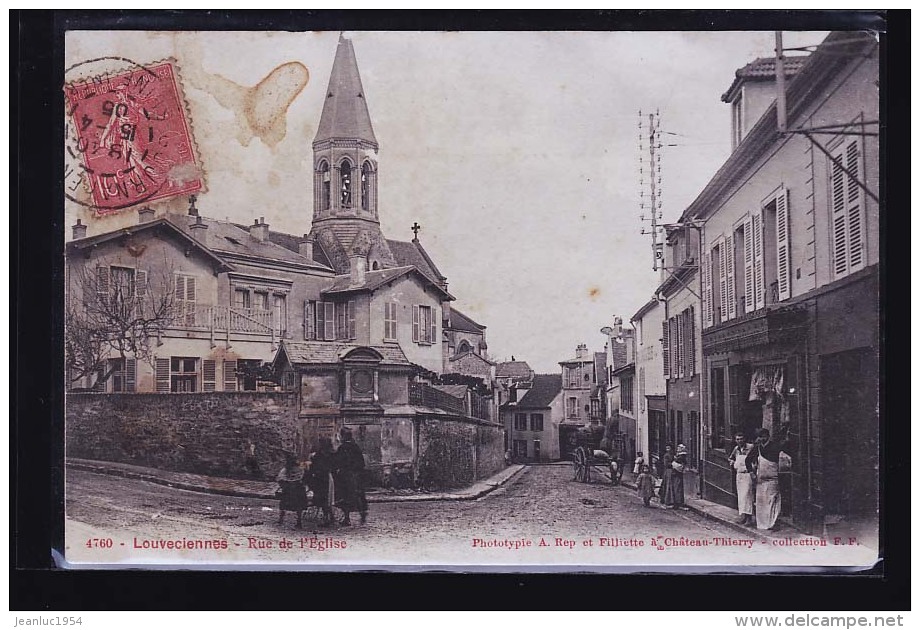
x: 412, y: 253
x: 225, y: 236
x: 161, y: 223
x: 513, y: 369
x: 481, y: 358
x: 544, y: 390
x: 763, y: 69
x: 459, y: 321
x: 345, y: 113
x: 457, y: 391
x: 332, y: 352
x: 373, y: 280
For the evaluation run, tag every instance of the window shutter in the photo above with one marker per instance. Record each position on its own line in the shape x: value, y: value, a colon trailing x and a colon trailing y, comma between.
x: 352, y: 326
x: 415, y: 324
x: 692, y: 342
x: 757, y: 229
x: 675, y: 346
x: 783, y: 277
x: 433, y: 338
x: 130, y: 375
x: 723, y: 281
x: 748, y: 265
x: 162, y: 375
x: 855, y: 224
x: 707, y: 289
x: 230, y: 384
x: 309, y: 320
x: 666, y: 348
x: 679, y: 358
x: 140, y: 291
x: 732, y: 311
x: 180, y: 299
x: 102, y: 286
x: 99, y: 385
x: 329, y: 321
x: 209, y: 375
x: 190, y: 299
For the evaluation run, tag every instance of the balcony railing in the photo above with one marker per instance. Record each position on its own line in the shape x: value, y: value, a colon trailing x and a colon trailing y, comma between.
x: 473, y: 405
x: 223, y: 321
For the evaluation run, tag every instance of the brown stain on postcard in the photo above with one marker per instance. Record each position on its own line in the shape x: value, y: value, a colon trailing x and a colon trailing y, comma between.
x: 260, y: 110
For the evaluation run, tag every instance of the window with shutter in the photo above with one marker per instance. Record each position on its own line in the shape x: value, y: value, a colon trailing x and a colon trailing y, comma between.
x: 675, y: 346
x: 415, y: 324
x: 847, y: 212
x: 209, y: 375
x: 341, y: 320
x: 783, y: 278
x: 162, y: 375
x: 230, y: 380
x: 757, y: 233
x: 749, y: 303
x: 666, y: 348
x: 433, y: 336
x: 186, y: 297
x: 731, y: 311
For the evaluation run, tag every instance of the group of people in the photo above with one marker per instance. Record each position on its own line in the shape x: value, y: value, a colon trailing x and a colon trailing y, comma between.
x: 335, y: 477
x: 671, y: 492
x: 757, y: 467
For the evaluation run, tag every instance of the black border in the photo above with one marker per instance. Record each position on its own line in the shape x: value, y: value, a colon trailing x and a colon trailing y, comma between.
x: 36, y: 64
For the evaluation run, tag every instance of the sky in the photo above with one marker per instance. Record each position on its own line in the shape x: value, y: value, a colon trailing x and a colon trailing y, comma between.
x: 516, y: 152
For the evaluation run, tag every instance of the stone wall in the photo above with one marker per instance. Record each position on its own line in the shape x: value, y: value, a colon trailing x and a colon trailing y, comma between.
x: 204, y: 433
x: 453, y: 453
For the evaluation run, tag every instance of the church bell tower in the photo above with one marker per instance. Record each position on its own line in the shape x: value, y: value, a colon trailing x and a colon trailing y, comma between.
x: 345, y: 204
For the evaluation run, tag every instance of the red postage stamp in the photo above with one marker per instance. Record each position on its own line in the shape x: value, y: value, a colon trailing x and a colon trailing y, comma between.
x: 132, y: 138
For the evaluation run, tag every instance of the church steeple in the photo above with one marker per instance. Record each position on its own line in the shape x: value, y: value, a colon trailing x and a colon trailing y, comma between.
x: 345, y: 171
x: 345, y: 115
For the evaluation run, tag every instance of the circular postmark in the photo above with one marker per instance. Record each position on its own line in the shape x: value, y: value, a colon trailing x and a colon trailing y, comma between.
x: 127, y: 135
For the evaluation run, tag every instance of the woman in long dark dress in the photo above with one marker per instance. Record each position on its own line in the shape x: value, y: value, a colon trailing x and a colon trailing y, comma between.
x: 350, y: 478
x: 291, y: 481
x: 322, y: 465
x: 674, y: 493
x: 666, y: 460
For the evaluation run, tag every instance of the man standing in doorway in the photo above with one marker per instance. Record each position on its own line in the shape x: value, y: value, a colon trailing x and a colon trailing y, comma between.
x: 764, y: 458
x: 744, y: 479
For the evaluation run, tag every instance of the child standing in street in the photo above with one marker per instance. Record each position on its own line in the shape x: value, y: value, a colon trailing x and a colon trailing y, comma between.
x: 645, y: 485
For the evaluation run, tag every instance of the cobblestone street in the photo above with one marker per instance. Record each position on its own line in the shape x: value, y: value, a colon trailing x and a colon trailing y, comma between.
x: 539, y: 517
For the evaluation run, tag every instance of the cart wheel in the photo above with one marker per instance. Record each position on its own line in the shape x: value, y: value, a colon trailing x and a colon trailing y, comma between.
x: 576, y: 463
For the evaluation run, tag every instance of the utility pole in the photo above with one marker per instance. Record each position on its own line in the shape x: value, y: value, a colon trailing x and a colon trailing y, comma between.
x: 653, y: 136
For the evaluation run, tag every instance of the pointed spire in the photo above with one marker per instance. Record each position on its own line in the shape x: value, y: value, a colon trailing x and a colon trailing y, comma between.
x: 345, y: 115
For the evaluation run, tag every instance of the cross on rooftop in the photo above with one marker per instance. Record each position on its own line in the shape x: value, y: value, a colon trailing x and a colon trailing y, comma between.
x: 415, y: 228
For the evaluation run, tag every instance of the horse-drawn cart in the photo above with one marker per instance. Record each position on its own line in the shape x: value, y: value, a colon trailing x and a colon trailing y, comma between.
x: 587, y: 461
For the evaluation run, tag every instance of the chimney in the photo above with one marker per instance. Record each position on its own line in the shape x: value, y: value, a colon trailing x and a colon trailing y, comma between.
x: 581, y: 352
x: 199, y: 231
x: 79, y: 230
x: 145, y: 214
x: 259, y: 230
x: 358, y: 270
x: 306, y: 247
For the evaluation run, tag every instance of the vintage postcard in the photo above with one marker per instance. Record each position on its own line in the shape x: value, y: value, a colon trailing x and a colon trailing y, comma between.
x: 487, y: 301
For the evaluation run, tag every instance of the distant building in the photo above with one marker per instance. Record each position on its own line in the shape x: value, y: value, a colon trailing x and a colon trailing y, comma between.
x: 532, y: 422
x: 651, y: 391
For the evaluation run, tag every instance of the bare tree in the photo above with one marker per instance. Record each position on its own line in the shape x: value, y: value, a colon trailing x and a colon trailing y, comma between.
x: 122, y: 313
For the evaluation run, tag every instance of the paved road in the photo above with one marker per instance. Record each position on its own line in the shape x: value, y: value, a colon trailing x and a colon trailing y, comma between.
x: 541, y: 517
